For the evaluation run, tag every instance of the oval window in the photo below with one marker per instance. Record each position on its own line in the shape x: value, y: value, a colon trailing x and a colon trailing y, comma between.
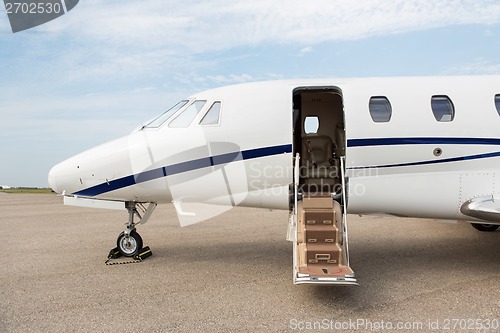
x: 311, y: 125
x: 497, y: 103
x: 380, y: 109
x: 442, y: 108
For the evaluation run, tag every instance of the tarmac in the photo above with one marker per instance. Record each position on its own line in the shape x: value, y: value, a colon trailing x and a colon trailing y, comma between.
x: 233, y: 273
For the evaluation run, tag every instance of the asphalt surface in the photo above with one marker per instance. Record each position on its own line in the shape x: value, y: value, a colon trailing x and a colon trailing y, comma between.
x: 233, y: 273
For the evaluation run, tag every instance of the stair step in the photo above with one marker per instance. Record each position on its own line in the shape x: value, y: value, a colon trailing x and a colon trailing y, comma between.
x: 327, y: 270
x: 320, y: 235
x: 317, y: 234
x: 319, y: 254
x: 319, y: 216
x: 324, y: 202
x: 323, y: 253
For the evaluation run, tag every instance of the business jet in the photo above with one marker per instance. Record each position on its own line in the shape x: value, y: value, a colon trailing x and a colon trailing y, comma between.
x: 424, y: 147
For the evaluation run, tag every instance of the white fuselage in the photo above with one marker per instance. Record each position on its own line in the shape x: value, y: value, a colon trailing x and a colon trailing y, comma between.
x: 412, y: 165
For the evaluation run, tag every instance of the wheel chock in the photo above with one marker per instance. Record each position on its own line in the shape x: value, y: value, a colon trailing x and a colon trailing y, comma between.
x: 144, y: 253
x: 114, y: 254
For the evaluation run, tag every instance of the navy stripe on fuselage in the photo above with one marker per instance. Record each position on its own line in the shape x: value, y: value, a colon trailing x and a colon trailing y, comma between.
x: 373, y: 142
x: 445, y: 160
x: 177, y: 168
x: 421, y: 141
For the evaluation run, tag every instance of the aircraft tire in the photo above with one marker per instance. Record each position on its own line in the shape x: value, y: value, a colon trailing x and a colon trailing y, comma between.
x: 131, y: 246
x: 485, y: 227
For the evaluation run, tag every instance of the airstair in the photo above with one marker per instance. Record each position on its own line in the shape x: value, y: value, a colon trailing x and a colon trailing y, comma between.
x: 318, y: 230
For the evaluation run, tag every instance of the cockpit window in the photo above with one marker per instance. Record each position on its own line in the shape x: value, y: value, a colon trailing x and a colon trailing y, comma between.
x: 212, y: 116
x: 187, y: 115
x: 158, y: 121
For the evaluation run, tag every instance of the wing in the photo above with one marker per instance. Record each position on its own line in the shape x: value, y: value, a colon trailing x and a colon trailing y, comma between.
x: 485, y: 208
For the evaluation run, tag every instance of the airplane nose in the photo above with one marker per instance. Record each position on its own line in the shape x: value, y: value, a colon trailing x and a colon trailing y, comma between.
x: 53, y: 179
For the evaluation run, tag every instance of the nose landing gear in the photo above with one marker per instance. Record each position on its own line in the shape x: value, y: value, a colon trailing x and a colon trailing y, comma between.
x: 129, y: 242
x: 130, y: 245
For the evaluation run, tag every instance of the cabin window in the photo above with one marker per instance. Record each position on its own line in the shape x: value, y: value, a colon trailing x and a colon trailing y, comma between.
x: 158, y: 121
x: 212, y: 116
x: 497, y: 103
x: 187, y: 115
x: 443, y: 108
x: 380, y: 109
x: 311, y: 125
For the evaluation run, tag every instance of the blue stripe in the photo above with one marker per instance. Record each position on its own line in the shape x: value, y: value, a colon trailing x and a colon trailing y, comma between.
x: 420, y: 141
x: 183, y: 167
x: 446, y: 160
x: 227, y: 158
x: 187, y: 166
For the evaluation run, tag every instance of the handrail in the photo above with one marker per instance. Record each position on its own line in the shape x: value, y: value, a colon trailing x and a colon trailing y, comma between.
x: 344, y: 211
x: 296, y: 178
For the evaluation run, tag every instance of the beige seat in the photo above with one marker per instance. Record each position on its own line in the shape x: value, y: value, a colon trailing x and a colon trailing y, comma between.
x: 317, y: 157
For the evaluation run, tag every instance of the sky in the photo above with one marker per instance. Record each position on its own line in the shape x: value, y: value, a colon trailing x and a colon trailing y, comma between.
x: 107, y: 66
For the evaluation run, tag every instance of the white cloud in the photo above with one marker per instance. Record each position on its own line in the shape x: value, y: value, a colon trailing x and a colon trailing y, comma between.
x: 305, y: 50
x: 134, y: 37
x: 230, y: 79
x: 200, y: 26
x: 479, y: 66
x: 62, y: 117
